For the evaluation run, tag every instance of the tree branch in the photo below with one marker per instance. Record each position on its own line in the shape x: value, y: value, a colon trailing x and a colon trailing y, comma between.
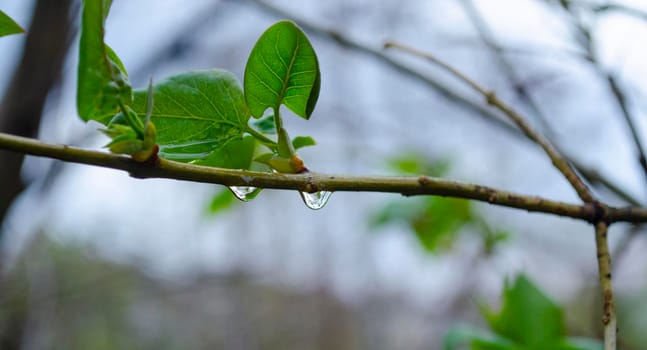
x: 312, y: 182
x: 618, y: 94
x: 621, y: 100
x: 487, y: 37
x: 603, y: 257
x: 629, y: 11
x: 594, y: 177
x: 558, y: 160
x: 604, y: 272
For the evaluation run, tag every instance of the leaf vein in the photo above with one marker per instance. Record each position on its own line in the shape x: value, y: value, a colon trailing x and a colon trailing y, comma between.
x: 270, y: 68
x: 269, y: 87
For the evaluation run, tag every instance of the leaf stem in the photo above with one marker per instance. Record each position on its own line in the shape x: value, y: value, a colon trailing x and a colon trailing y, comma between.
x: 284, y: 143
x: 262, y: 138
x: 278, y: 122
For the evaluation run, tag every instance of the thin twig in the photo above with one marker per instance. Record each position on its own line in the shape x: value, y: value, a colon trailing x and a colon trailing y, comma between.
x: 604, y: 273
x: 630, y: 11
x: 507, y: 68
x: 312, y: 182
x: 621, y: 100
x: 618, y: 94
x: 603, y: 257
x: 609, y: 319
x: 594, y: 177
x: 558, y: 160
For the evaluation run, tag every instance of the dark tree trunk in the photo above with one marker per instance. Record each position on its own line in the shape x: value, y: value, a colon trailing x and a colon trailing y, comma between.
x: 48, y: 39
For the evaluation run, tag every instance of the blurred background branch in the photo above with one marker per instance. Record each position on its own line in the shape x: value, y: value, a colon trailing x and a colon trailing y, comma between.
x: 616, y: 91
x: 498, y: 53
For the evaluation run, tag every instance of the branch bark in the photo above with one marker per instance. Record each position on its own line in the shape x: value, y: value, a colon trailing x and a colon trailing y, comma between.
x: 604, y: 272
x: 312, y: 182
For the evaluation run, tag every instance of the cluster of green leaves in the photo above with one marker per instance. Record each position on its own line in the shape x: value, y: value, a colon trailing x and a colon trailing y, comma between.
x: 436, y: 221
x: 202, y: 117
x: 8, y: 26
x: 528, y: 320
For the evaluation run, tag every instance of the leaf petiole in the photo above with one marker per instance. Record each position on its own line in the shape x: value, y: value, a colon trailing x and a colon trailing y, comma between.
x: 262, y: 138
x: 278, y: 122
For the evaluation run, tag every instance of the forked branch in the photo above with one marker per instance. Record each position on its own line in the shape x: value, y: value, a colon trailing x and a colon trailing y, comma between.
x: 558, y: 160
x: 600, y: 222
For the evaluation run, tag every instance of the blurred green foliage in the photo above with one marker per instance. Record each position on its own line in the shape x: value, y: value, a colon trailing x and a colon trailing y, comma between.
x: 436, y: 221
x: 528, y: 320
x: 632, y: 314
x: 8, y: 26
x: 221, y: 201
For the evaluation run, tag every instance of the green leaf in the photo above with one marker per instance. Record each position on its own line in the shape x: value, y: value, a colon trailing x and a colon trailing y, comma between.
x: 196, y: 114
x: 573, y: 343
x: 112, y: 56
x: 435, y: 221
x: 414, y: 163
x: 303, y: 141
x: 221, y: 201
x: 281, y: 165
x: 285, y: 148
x: 106, y: 7
x: 528, y: 317
x: 264, y: 158
x: 266, y: 124
x: 492, y: 239
x: 8, y: 26
x: 438, y: 224
x: 282, y: 69
x: 235, y: 154
x: 102, y: 78
x: 458, y: 336
x: 529, y: 320
x: 478, y: 339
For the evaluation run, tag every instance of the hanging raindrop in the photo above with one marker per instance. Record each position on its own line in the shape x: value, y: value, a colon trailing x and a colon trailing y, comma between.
x: 315, y: 200
x: 245, y: 193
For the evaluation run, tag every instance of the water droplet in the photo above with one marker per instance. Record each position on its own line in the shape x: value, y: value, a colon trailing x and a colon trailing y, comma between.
x: 315, y: 200
x: 245, y: 193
